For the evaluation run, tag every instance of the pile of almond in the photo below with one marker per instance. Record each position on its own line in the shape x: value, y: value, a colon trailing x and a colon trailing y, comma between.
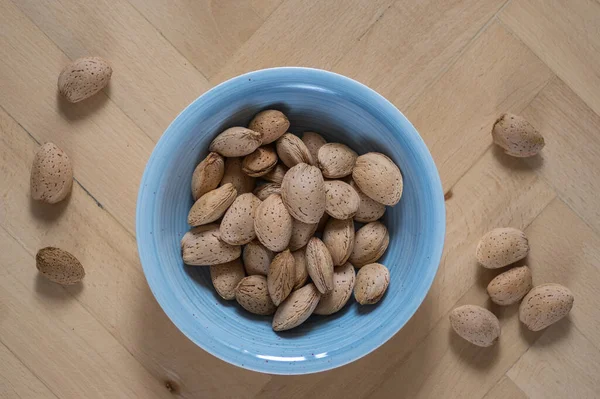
x: 274, y: 218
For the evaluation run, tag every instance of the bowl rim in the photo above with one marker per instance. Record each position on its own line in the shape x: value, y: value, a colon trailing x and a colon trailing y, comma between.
x: 439, y: 211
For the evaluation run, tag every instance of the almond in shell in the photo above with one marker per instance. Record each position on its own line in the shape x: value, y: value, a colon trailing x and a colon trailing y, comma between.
x: 300, y: 265
x: 276, y: 174
x: 257, y: 258
x: 544, y: 305
x: 372, y: 281
x: 59, y: 266
x: 207, y: 175
x: 271, y: 124
x: 225, y: 277
x: 343, y: 283
x: 517, y: 136
x: 281, y: 277
x: 338, y: 237
x: 319, y: 265
x: 370, y: 243
x: 378, y: 177
x: 313, y: 141
x: 263, y: 191
x: 51, y: 174
x: 236, y: 142
x: 253, y: 295
x: 301, y: 233
x: 234, y: 175
x: 341, y: 200
x: 509, y: 287
x: 296, y: 308
x: 260, y: 162
x: 273, y: 224
x: 368, y: 210
x: 83, y: 78
x: 212, y: 205
x: 501, y: 247
x: 303, y: 193
x: 292, y: 150
x: 202, y: 246
x: 477, y: 325
x: 237, y: 226
x: 336, y: 160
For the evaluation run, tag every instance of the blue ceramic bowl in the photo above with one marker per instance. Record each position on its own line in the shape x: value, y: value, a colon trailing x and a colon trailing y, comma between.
x: 342, y: 110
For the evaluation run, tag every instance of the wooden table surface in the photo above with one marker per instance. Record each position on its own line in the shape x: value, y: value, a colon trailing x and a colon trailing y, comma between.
x: 451, y: 66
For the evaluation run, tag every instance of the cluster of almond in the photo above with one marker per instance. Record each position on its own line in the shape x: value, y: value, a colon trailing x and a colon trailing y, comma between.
x: 259, y: 240
x: 542, y: 305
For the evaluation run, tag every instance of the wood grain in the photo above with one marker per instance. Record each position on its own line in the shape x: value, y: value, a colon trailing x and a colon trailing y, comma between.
x: 565, y: 34
x: 505, y: 389
x: 17, y: 381
x: 115, y: 292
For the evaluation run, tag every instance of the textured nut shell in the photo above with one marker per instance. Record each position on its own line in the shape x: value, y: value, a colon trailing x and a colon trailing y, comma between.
x: 300, y: 266
x: 313, y: 142
x: 212, y: 205
x: 237, y: 226
x: 370, y: 243
x: 323, y: 222
x: 544, y: 305
x: 378, y: 177
x: 273, y: 224
x: 319, y: 265
x: 372, y: 281
x: 263, y: 192
x: 341, y: 200
x: 236, y: 142
x: 276, y: 174
x: 509, y: 287
x: 338, y: 237
x: 301, y: 233
x: 281, y: 277
x: 235, y: 175
x: 207, y: 175
x: 296, y: 308
x: 260, y: 162
x: 257, y: 258
x: 51, y: 174
x: 271, y: 124
x: 477, y: 325
x: 253, y: 295
x: 517, y: 136
x: 336, y: 160
x: 226, y: 277
x: 83, y: 78
x: 59, y: 266
x: 303, y: 193
x: 501, y: 247
x: 343, y: 283
x: 202, y: 246
x: 292, y: 150
x: 368, y: 209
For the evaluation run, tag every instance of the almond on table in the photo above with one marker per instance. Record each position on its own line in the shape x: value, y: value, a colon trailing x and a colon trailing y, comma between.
x: 83, y: 78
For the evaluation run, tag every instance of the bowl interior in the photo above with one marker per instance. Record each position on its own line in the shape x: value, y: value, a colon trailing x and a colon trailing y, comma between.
x: 342, y: 110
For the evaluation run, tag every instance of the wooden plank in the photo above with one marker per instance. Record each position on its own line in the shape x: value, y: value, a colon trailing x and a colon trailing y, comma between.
x: 565, y: 34
x: 304, y: 33
x: 497, y: 73
x: 152, y: 82
x: 565, y: 250
x: 108, y: 150
x: 570, y: 161
x: 505, y: 389
x: 561, y: 364
x: 265, y: 8
x: 413, y: 43
x: 207, y: 33
x: 63, y: 341
x: 115, y: 292
x: 17, y: 381
x: 489, y: 195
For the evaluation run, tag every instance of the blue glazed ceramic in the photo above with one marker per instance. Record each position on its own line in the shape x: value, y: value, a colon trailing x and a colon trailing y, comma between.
x: 342, y: 110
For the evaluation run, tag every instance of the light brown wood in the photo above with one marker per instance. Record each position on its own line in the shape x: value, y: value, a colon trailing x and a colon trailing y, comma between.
x: 451, y: 66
